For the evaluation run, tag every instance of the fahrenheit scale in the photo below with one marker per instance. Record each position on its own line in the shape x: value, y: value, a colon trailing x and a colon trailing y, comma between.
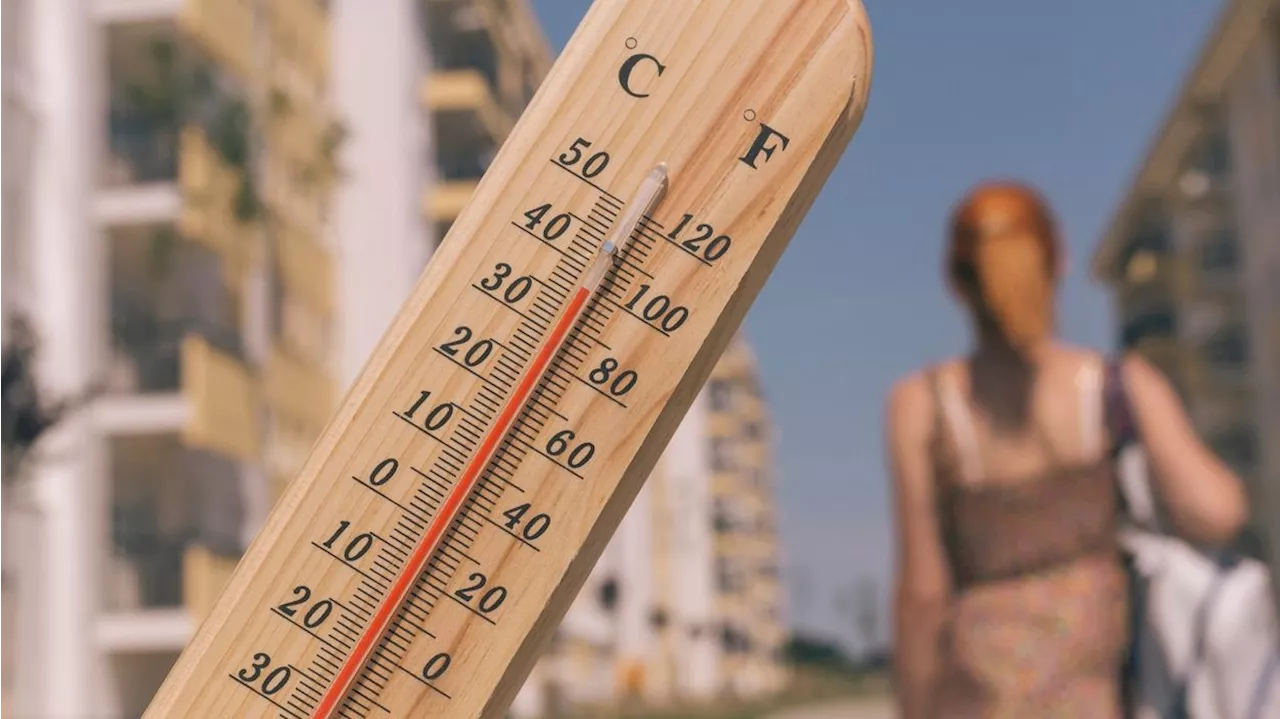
x: 470, y: 479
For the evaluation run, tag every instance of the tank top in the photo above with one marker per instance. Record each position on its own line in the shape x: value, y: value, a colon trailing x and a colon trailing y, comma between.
x: 1037, y: 625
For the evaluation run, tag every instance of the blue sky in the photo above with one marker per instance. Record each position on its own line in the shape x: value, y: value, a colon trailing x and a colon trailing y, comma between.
x: 1066, y: 95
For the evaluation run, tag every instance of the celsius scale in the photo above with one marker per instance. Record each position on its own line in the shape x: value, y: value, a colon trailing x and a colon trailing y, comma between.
x: 454, y: 505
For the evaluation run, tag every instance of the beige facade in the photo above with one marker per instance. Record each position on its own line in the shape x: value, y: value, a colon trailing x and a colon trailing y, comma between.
x: 1193, y: 253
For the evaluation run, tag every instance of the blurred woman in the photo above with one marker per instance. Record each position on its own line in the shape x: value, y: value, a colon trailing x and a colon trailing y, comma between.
x: 1011, y: 596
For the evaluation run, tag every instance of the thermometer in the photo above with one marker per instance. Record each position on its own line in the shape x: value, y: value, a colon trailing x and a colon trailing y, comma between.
x: 471, y: 477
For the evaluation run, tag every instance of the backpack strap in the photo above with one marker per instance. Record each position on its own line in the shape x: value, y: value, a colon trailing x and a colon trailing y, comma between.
x: 1117, y: 412
x: 1133, y: 484
x: 1118, y: 422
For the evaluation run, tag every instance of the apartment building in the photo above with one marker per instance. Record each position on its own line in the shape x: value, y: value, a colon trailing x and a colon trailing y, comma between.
x: 175, y: 261
x: 1192, y: 255
x: 749, y: 594
x: 232, y: 200
x: 213, y: 210
x: 685, y: 604
x: 428, y: 90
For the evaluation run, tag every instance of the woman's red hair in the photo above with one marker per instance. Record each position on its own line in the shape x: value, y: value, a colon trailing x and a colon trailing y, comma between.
x: 1003, y: 257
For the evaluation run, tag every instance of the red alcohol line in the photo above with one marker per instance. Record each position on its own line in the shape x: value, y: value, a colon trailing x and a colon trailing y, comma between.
x: 650, y: 192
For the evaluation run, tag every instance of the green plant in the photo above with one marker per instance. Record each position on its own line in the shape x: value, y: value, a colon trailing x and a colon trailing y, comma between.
x: 177, y: 92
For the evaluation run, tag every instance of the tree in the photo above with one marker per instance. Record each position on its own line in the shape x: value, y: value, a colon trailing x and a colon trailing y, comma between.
x: 28, y: 413
x: 861, y: 604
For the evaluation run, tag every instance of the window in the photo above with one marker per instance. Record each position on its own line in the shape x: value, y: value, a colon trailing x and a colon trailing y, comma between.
x: 1228, y: 349
x: 1211, y: 154
x: 734, y: 640
x: 720, y: 395
x: 1160, y: 323
x: 728, y: 578
x: 165, y: 499
x: 722, y: 517
x: 1220, y: 251
x: 721, y: 455
x: 1237, y: 447
x: 609, y: 594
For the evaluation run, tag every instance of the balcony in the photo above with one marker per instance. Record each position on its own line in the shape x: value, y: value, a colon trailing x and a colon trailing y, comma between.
x: 1150, y: 239
x: 1214, y: 272
x: 465, y: 108
x: 166, y: 499
x: 466, y: 34
x: 719, y: 395
x: 1227, y: 349
x: 1157, y: 324
x: 1206, y: 170
x: 1221, y: 362
x: 147, y: 82
x: 163, y: 289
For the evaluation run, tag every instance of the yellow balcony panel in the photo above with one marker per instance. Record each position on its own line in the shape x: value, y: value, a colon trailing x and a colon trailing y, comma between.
x: 222, y: 400
x: 447, y: 199
x: 306, y: 268
x: 208, y: 187
x: 465, y: 92
x: 286, y: 452
x: 223, y: 29
x: 302, y: 27
x: 304, y: 330
x: 293, y: 203
x: 295, y: 128
x: 301, y: 393
x: 723, y: 424
x: 204, y: 576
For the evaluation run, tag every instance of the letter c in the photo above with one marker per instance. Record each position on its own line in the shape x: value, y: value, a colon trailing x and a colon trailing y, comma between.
x: 624, y: 72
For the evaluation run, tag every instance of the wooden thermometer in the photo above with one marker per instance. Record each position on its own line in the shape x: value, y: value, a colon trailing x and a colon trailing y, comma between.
x: 455, y: 504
